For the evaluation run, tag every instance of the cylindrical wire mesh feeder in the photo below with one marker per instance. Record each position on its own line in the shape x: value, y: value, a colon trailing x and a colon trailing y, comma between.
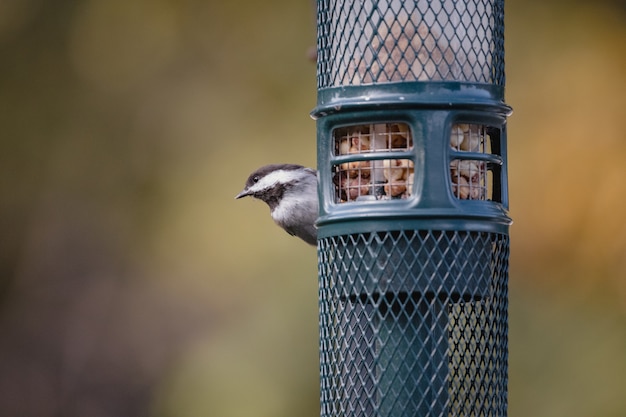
x: 413, y: 229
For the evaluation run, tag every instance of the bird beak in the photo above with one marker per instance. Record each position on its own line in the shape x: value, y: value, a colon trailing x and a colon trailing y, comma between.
x: 244, y: 193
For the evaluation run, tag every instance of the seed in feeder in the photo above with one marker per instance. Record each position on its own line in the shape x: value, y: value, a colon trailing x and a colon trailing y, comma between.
x: 359, y: 143
x: 398, y: 139
x: 351, y: 188
x: 396, y: 169
x: 409, y: 184
x: 358, y: 168
x: 465, y: 190
x: 344, y: 146
x: 396, y: 172
x: 355, y: 141
x: 357, y: 187
x: 461, y: 188
x: 396, y: 188
x: 456, y: 136
x: 466, y: 168
x: 472, y: 138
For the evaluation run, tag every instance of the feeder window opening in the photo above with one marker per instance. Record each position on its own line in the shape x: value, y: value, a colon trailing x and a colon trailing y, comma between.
x: 372, y: 162
x: 473, y: 163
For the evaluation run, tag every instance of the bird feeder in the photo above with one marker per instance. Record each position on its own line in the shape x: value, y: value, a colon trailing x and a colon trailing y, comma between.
x: 413, y: 233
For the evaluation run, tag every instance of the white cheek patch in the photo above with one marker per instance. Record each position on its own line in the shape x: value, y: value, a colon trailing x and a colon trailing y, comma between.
x: 273, y: 178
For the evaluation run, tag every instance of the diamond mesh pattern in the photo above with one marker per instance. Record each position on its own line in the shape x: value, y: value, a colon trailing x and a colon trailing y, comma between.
x: 367, y: 41
x: 413, y: 323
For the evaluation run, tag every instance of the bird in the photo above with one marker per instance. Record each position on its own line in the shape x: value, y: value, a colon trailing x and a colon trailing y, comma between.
x: 290, y: 191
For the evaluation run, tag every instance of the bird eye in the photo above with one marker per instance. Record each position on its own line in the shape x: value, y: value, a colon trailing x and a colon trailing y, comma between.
x: 256, y: 178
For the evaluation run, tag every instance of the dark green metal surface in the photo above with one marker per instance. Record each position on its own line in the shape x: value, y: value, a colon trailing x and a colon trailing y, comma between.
x: 414, y: 324
x: 413, y: 284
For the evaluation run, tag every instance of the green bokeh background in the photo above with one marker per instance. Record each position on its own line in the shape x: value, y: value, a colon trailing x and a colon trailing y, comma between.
x: 133, y: 284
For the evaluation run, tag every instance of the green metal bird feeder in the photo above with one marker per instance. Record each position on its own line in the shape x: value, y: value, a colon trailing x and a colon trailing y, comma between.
x: 413, y: 233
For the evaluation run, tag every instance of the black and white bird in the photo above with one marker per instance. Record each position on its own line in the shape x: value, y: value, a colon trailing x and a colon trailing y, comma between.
x: 291, y: 193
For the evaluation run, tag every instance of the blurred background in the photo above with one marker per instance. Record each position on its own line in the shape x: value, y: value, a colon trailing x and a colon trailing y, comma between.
x: 133, y: 284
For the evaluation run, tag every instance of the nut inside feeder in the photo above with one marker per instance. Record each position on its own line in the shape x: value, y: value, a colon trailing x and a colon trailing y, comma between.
x: 361, y: 174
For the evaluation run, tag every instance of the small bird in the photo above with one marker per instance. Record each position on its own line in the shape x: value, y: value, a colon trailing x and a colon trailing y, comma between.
x: 291, y: 193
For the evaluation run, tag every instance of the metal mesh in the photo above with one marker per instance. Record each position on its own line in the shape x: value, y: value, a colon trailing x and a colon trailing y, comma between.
x: 367, y: 41
x: 375, y: 162
x: 413, y: 323
x: 367, y: 172
x: 473, y: 162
